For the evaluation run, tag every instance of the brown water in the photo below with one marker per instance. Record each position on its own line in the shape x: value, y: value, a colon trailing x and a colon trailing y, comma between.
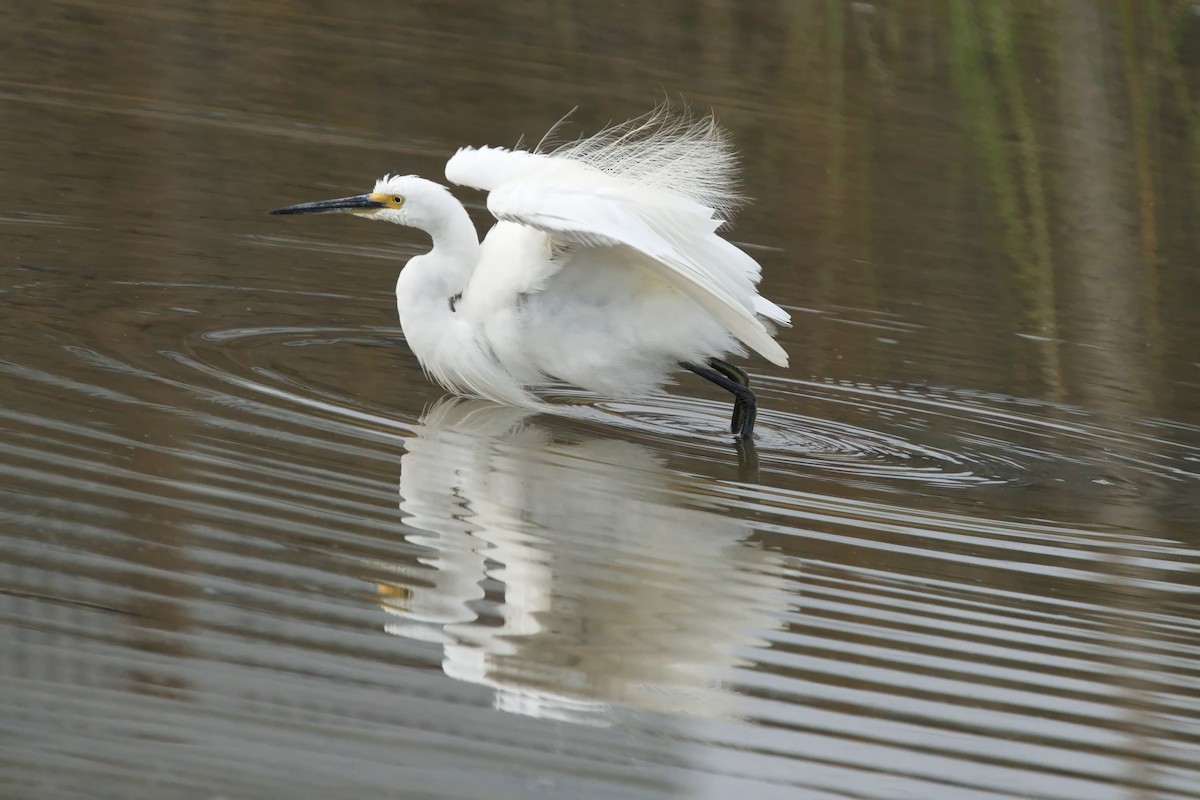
x: 248, y: 551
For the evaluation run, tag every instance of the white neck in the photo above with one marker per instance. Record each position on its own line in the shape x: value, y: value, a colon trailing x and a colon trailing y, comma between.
x: 455, y: 245
x: 447, y: 268
x: 428, y: 284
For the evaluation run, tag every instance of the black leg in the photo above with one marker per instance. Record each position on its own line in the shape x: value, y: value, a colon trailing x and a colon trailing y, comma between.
x: 730, y: 371
x: 735, y: 374
x: 741, y: 393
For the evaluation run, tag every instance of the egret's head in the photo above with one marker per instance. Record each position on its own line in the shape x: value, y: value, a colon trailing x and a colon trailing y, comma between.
x: 402, y: 199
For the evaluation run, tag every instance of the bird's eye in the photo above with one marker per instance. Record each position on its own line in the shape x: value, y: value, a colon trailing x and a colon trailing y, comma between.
x: 398, y: 200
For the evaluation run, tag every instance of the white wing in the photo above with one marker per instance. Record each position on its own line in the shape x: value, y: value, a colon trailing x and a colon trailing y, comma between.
x: 574, y: 202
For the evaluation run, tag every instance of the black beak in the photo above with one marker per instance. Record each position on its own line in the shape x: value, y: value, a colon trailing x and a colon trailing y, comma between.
x: 357, y: 203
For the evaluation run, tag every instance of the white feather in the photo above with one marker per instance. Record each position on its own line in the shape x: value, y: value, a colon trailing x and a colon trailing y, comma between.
x: 677, y: 245
x: 606, y: 268
x: 660, y: 186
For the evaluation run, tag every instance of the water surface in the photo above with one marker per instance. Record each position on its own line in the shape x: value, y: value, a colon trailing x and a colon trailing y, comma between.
x: 249, y: 551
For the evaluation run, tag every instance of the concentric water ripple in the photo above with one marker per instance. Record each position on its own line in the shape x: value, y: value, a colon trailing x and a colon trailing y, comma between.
x: 554, y: 567
x: 850, y: 431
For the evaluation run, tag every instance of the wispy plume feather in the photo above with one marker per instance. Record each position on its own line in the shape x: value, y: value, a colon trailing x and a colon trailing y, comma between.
x: 667, y: 149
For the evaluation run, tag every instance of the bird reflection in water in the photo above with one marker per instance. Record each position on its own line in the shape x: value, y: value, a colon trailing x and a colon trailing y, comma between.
x: 574, y: 577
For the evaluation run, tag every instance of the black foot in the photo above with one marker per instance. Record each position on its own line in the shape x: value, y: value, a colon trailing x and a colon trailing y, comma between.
x: 745, y: 407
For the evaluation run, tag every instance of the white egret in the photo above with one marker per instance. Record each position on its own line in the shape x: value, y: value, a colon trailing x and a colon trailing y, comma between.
x: 605, y: 269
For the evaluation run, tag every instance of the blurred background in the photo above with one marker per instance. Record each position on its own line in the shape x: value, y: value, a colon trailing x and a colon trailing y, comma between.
x: 248, y: 549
